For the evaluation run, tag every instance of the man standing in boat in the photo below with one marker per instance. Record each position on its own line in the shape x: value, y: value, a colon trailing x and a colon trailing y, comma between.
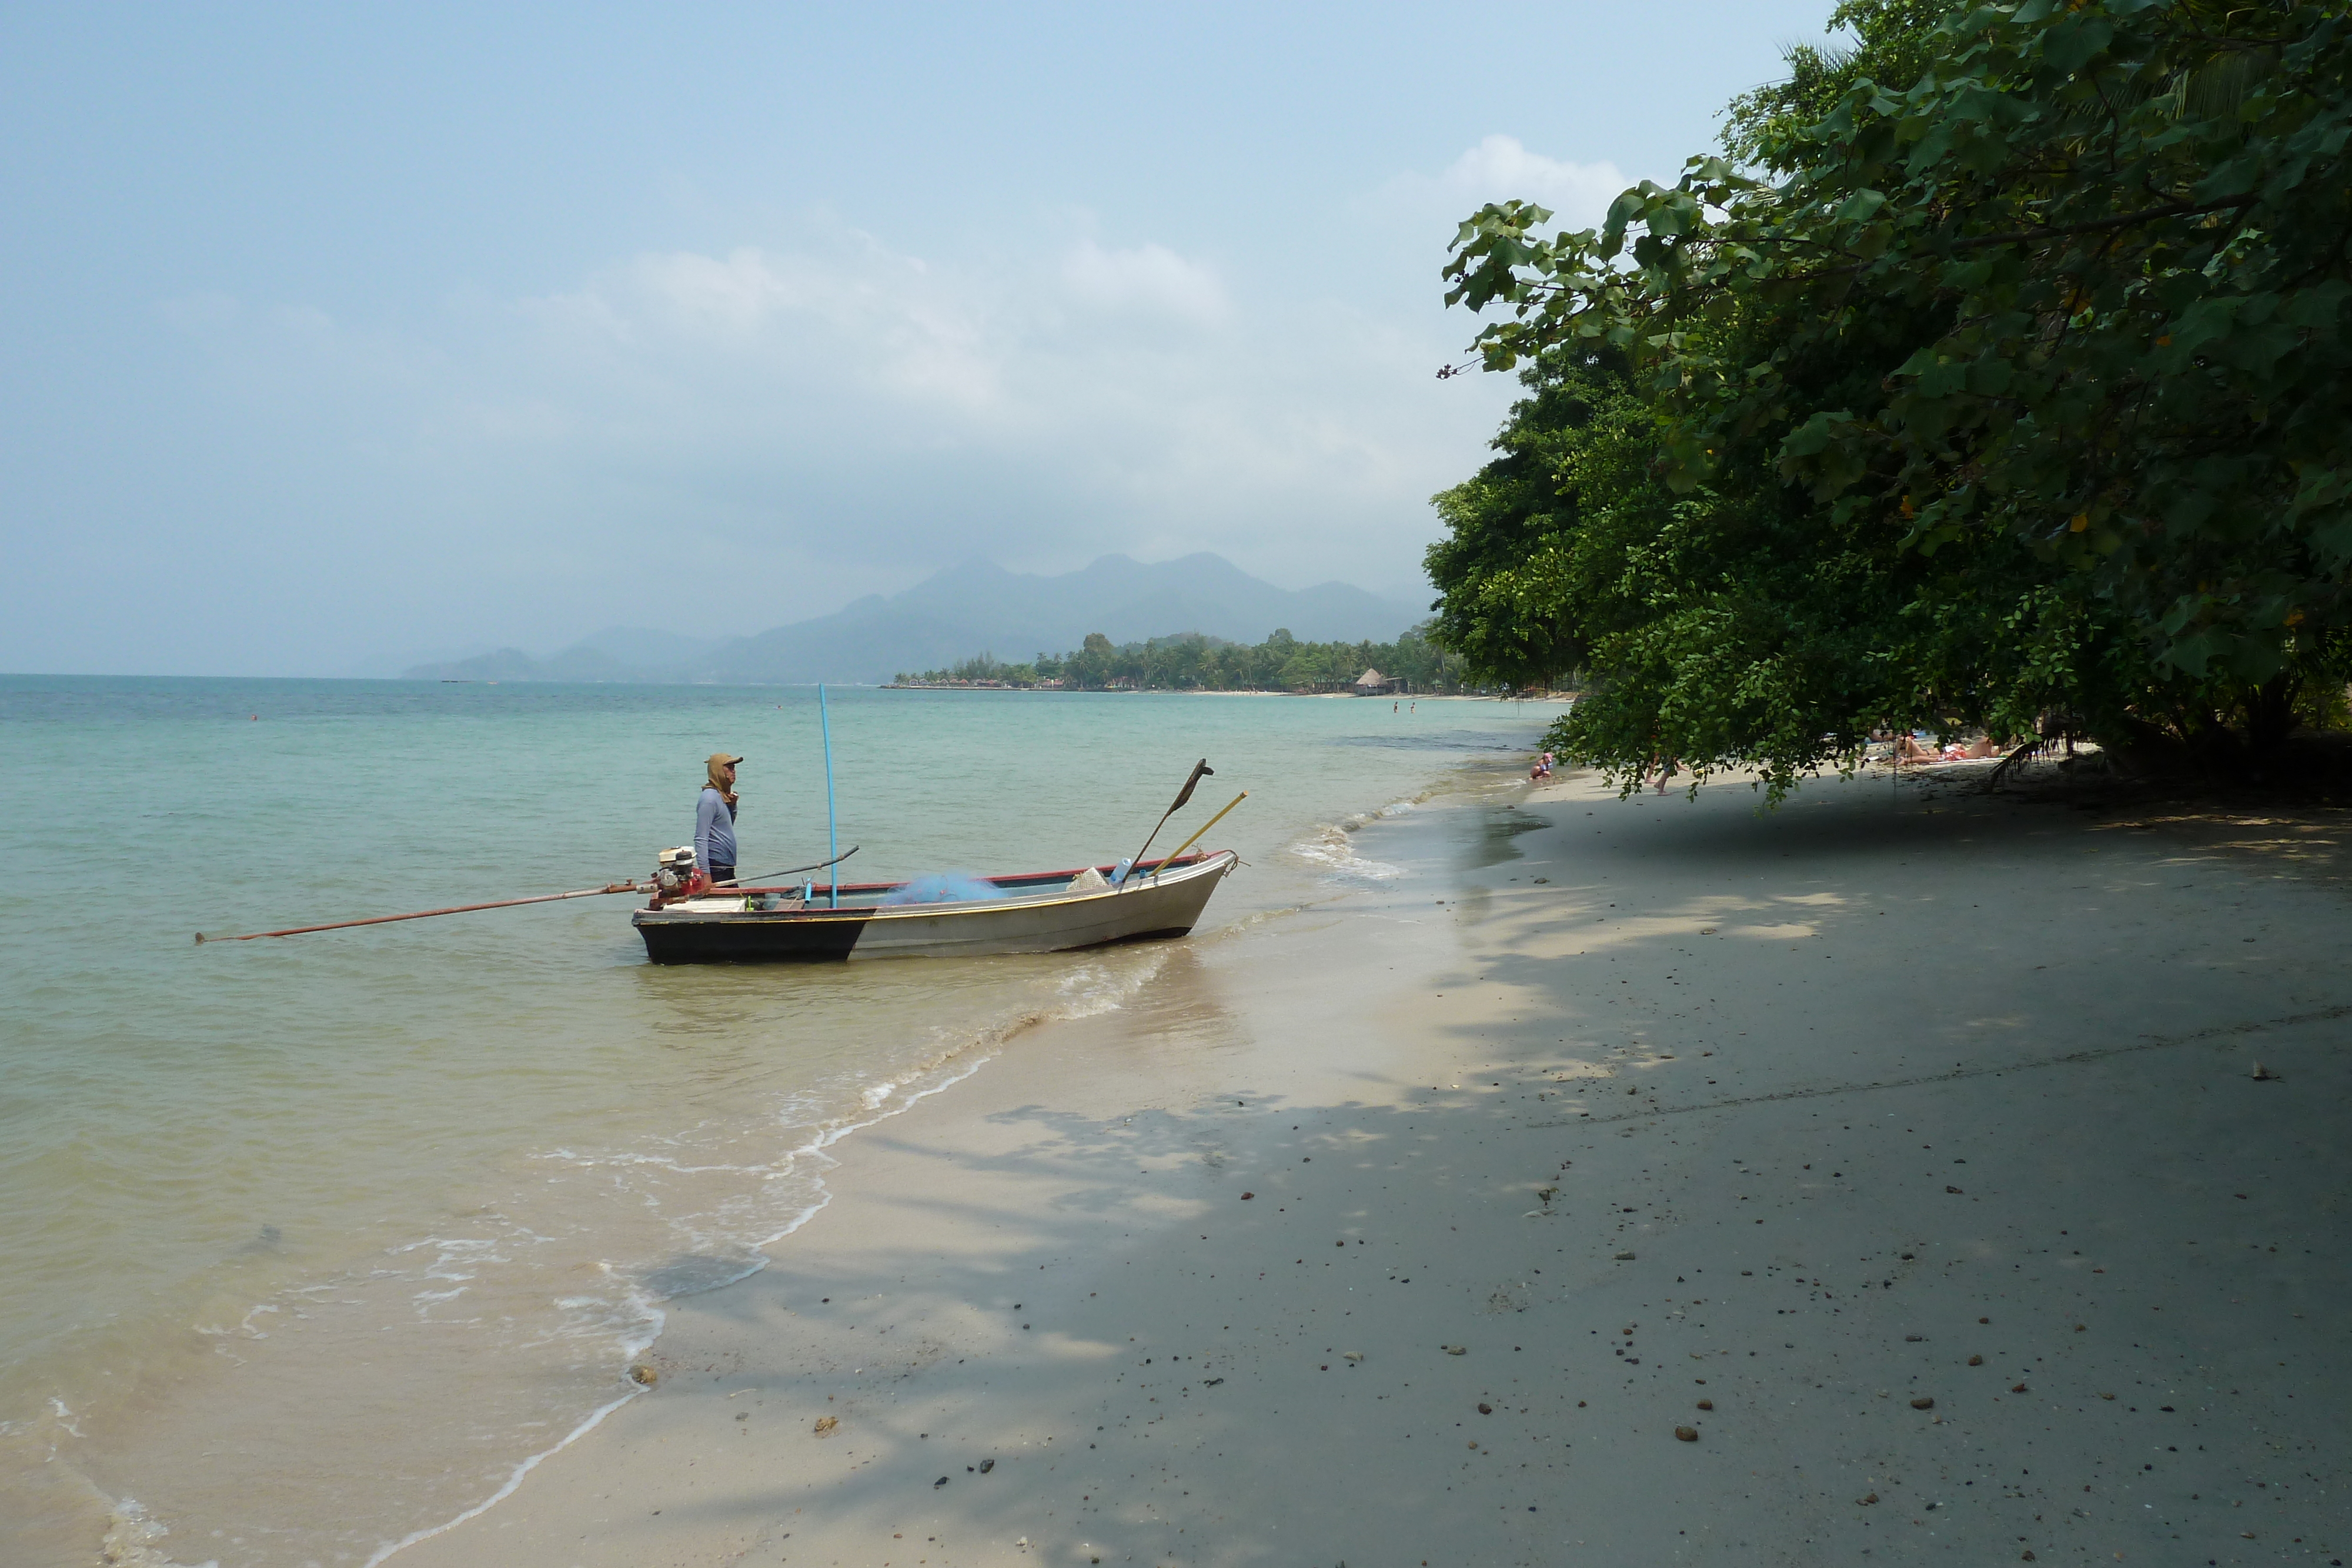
x: 714, y: 821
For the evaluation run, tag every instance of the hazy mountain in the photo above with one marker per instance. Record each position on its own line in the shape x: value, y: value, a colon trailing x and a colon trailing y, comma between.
x: 977, y: 607
x: 505, y: 664
x: 641, y: 648
x: 616, y: 653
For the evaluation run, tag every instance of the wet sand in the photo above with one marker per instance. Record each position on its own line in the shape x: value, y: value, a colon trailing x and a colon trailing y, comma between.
x: 1908, y: 1153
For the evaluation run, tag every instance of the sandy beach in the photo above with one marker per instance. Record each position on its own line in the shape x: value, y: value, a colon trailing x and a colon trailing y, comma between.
x: 1883, y: 1179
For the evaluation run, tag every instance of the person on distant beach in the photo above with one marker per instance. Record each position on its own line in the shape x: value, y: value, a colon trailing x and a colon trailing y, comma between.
x: 1915, y: 749
x: 714, y: 819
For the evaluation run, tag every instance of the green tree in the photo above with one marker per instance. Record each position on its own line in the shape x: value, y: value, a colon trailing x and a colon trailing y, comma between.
x: 2019, y: 333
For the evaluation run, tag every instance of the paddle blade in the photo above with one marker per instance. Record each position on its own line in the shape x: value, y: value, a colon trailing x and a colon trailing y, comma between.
x: 1201, y: 771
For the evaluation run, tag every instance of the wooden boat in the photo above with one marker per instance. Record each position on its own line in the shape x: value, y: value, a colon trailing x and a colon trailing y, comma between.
x: 1039, y: 912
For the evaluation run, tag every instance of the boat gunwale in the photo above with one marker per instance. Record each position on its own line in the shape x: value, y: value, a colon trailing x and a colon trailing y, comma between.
x: 1186, y: 870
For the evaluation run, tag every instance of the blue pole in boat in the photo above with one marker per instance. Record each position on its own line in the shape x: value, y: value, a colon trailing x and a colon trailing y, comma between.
x: 832, y: 824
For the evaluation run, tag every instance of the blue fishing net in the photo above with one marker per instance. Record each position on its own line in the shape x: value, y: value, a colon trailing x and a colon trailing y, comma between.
x: 943, y: 887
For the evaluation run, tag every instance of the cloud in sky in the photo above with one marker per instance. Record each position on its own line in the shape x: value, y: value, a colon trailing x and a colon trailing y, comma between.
x: 844, y: 413
x: 1500, y: 168
x: 722, y: 322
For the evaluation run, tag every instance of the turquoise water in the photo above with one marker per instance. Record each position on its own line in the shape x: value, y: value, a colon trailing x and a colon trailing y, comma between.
x: 406, y: 1199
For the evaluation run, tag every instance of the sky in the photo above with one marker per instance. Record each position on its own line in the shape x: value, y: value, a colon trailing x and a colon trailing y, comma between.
x: 336, y: 338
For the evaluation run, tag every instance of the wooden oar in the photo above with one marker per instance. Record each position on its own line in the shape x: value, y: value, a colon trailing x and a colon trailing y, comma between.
x: 426, y: 914
x: 1195, y: 839
x: 1201, y: 771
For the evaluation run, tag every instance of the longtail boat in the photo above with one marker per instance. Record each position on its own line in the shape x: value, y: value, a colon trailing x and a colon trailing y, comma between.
x: 1034, y: 912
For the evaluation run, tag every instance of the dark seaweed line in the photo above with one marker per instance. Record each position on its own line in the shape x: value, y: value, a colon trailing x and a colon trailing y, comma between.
x: 2096, y: 1053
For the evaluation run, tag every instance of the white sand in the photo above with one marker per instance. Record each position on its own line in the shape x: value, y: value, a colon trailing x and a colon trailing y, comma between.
x: 1866, y: 1088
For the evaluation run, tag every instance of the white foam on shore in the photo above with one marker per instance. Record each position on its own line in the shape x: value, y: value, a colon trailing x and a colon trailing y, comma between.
x: 1332, y: 849
x: 504, y: 1493
x: 131, y: 1537
x: 1088, y: 991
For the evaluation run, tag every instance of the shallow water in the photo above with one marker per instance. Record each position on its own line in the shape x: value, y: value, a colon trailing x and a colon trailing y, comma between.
x: 404, y: 1202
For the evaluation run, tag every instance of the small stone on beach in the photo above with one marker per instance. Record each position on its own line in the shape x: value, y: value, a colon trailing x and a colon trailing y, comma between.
x: 645, y: 1375
x: 1454, y: 1349
x: 826, y: 1424
x: 1623, y: 1257
x: 1923, y: 1403
x: 1686, y: 1434
x: 1976, y: 1360
x: 1707, y: 1403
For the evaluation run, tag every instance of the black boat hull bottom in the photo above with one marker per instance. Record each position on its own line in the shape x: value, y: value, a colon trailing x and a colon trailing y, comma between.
x: 837, y: 946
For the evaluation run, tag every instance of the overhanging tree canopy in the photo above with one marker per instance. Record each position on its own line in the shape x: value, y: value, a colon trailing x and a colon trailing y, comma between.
x: 2030, y: 315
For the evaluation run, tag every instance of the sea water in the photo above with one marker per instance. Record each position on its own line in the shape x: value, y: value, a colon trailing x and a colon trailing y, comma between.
x: 314, y: 1243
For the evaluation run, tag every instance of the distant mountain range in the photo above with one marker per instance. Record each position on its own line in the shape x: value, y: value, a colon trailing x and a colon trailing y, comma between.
x: 974, y: 608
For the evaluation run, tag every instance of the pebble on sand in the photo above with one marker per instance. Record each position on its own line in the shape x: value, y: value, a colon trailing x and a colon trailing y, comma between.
x: 1623, y: 1257
x: 826, y: 1424
x: 1923, y: 1403
x: 644, y: 1375
x: 1247, y: 1196
x: 1686, y: 1434
x: 1454, y: 1349
x: 1707, y: 1403
x: 1976, y: 1360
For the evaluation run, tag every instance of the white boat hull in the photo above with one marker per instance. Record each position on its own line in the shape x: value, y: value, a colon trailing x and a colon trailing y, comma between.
x: 732, y: 929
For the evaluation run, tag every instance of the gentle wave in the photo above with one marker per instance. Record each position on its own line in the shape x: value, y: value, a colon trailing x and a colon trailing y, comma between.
x: 1089, y: 990
x: 1331, y: 848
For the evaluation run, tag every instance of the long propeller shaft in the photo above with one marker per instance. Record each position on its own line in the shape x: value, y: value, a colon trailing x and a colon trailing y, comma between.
x: 428, y: 914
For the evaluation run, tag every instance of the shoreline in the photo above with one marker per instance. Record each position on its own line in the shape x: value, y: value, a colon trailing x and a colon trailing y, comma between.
x: 1445, y: 1066
x: 131, y: 1531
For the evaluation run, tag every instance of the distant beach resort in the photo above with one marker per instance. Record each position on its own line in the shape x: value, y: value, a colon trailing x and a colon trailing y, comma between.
x: 1195, y: 663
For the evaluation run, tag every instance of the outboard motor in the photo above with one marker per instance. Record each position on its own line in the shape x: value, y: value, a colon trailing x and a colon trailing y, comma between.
x: 676, y: 875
